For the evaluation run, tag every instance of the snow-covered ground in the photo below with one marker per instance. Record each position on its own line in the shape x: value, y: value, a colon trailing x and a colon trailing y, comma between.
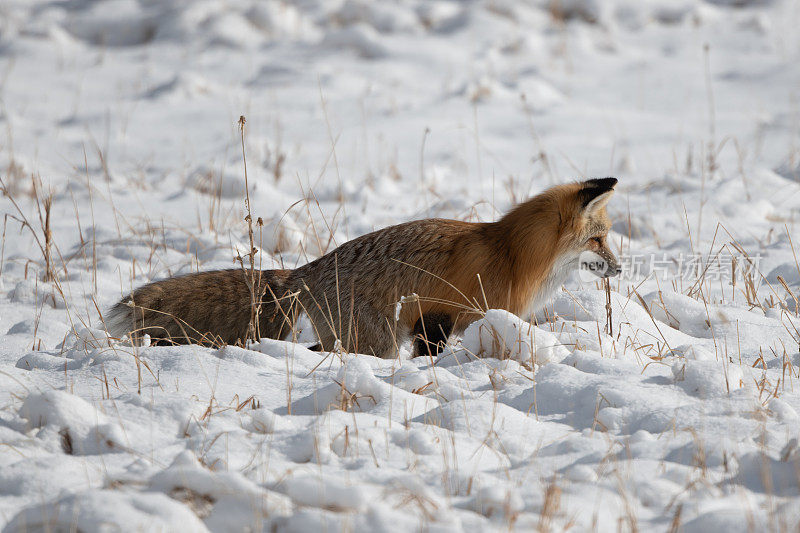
x: 360, y: 114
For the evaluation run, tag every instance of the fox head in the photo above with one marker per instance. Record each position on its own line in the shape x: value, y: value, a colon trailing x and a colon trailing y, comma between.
x: 552, y: 234
x: 559, y: 229
x: 584, y: 225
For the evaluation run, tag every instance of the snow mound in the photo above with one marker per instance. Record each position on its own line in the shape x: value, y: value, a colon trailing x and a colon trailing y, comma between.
x: 118, y: 23
x: 181, y: 87
x: 325, y: 492
x: 32, y: 292
x: 706, y: 377
x: 359, y: 38
x: 107, y: 510
x: 209, y: 181
x: 225, y: 500
x: 441, y: 16
x: 82, y: 429
x: 496, y: 500
x: 354, y: 387
x: 384, y: 17
x: 282, y: 234
x: 586, y: 10
x: 502, y: 335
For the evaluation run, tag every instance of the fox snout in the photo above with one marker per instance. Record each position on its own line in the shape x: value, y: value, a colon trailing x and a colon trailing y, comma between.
x: 601, y: 262
x: 612, y: 264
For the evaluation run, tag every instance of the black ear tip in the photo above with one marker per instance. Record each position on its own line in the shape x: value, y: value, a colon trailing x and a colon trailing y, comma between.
x: 603, y: 183
x: 595, y: 187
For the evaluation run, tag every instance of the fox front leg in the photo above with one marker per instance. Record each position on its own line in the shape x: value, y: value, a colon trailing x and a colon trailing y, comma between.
x: 431, y: 333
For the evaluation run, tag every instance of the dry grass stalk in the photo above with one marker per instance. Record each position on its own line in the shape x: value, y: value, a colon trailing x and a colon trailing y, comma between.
x: 790, y: 293
x: 552, y: 502
x: 609, y: 326
x: 43, y: 206
x: 252, y: 276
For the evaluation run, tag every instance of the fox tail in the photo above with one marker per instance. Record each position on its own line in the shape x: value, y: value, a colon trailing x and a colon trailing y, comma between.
x: 205, y: 308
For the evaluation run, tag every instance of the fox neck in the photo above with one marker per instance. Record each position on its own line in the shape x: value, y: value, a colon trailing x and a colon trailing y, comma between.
x: 562, y: 267
x: 532, y: 234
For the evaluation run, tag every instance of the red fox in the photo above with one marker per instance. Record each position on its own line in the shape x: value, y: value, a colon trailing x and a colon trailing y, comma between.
x: 425, y: 280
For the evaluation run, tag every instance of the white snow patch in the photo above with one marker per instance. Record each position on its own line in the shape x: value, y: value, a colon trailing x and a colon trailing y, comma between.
x: 502, y: 335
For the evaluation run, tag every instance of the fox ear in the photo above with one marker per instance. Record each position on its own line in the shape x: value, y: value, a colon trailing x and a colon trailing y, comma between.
x: 596, y: 193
